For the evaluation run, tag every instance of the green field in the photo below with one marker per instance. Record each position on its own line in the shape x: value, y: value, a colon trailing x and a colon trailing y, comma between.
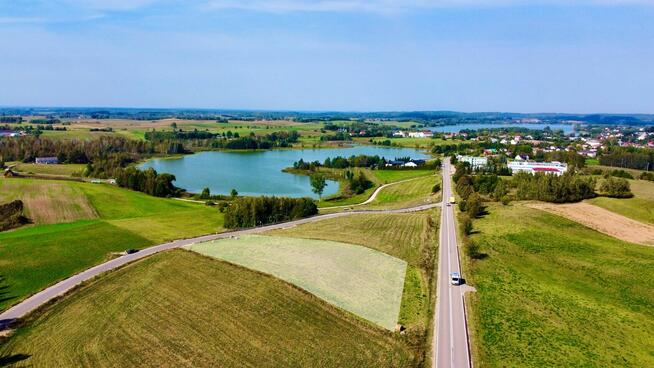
x: 377, y: 177
x: 411, y: 237
x: 360, y: 280
x: 179, y: 309
x: 553, y: 293
x: 391, y: 176
x: 34, y: 257
x: 410, y: 193
x: 639, y: 208
x: 58, y: 169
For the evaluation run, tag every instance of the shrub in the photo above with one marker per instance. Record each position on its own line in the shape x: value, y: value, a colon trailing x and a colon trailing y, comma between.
x: 466, y: 224
x: 436, y: 188
x: 615, y: 188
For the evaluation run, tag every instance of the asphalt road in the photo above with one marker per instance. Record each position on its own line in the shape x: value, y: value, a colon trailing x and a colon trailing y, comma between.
x: 35, y: 301
x: 450, y: 343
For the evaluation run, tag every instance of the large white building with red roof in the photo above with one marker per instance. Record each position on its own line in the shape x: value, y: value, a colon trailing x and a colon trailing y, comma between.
x: 533, y: 167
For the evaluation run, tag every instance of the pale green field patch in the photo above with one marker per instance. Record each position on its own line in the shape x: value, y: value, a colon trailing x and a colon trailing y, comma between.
x: 360, y: 280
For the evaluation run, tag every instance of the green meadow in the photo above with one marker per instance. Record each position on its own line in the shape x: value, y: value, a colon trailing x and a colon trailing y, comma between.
x: 78, y: 225
x: 553, y: 293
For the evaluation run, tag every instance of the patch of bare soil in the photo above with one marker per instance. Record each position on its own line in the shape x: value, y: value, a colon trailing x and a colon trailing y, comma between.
x: 602, y: 220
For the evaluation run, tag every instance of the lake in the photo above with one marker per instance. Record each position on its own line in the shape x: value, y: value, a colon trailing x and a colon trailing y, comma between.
x: 567, y: 128
x: 259, y: 173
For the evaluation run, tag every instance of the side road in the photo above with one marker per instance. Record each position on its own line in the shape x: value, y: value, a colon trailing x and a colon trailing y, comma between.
x: 30, y: 304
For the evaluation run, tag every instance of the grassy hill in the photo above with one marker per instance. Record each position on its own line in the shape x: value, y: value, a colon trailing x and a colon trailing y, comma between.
x: 180, y: 309
x: 639, y: 208
x: 553, y: 293
x: 92, y: 221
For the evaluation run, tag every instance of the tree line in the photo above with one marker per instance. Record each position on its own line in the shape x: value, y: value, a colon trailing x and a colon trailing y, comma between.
x: 147, y: 181
x: 247, y: 212
x: 640, y: 159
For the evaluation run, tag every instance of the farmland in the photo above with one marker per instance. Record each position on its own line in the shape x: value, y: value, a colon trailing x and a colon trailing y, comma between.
x: 67, y: 239
x: 639, y: 208
x: 551, y: 292
x: 185, y: 310
x: 411, y: 237
x: 363, y: 281
x: 410, y: 193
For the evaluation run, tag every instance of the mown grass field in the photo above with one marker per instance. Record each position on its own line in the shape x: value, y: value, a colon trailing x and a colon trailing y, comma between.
x: 377, y: 177
x: 391, y: 176
x: 411, y: 237
x: 410, y: 193
x: 639, y: 208
x: 363, y: 281
x: 58, y: 169
x: 553, y: 293
x: 48, y: 202
x: 113, y: 219
x: 180, y: 309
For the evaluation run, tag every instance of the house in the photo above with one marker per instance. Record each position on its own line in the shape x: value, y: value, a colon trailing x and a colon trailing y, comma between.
x: 8, y: 133
x: 418, y: 162
x: 47, y: 160
x: 532, y: 167
x: 475, y: 162
x: 410, y: 164
x: 395, y: 163
x: 399, y: 133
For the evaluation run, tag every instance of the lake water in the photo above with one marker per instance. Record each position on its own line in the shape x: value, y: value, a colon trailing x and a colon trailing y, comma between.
x: 567, y: 128
x: 259, y: 173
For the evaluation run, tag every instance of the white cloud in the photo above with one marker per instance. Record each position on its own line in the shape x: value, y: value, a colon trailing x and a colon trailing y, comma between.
x: 391, y: 6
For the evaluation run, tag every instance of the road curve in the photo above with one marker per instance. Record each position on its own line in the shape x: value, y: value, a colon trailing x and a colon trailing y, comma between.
x: 450, y: 345
x: 28, y: 305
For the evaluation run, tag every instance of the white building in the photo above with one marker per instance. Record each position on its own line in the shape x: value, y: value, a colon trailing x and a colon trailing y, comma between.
x: 475, y: 162
x: 533, y: 167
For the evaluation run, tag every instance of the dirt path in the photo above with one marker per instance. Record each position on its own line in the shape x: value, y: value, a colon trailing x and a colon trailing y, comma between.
x: 374, y: 194
x: 602, y: 220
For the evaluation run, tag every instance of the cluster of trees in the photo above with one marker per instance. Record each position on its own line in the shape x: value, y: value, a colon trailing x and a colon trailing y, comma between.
x: 647, y: 176
x: 11, y: 119
x: 147, y: 181
x: 178, y: 134
x: 338, y: 136
x: 268, y: 141
x: 640, y: 159
x: 357, y: 184
x: 46, y: 121
x: 488, y: 184
x: 568, y: 187
x: 573, y: 159
x: 360, y: 129
x: 615, y: 188
x: 339, y: 162
x: 11, y: 215
x: 105, y: 154
x: 256, y: 211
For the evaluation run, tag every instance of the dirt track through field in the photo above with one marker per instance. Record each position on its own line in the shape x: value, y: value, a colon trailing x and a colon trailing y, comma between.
x: 602, y: 220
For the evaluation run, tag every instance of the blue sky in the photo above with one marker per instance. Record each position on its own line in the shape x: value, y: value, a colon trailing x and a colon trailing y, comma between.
x: 465, y: 55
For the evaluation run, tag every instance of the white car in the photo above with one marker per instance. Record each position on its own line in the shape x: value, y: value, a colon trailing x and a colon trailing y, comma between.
x: 455, y: 278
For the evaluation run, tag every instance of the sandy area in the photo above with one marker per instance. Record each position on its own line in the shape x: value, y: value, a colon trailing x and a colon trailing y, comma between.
x: 602, y: 220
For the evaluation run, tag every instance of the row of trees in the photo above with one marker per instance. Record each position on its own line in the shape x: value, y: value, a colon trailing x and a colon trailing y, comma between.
x: 147, y: 181
x: 256, y: 211
x: 640, y: 159
x: 568, y: 187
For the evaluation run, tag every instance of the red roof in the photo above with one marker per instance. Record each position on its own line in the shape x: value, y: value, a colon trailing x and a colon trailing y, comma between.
x: 545, y: 169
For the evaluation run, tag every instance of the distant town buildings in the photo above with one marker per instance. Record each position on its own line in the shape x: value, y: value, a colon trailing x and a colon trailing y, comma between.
x: 533, y: 167
x: 476, y: 163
